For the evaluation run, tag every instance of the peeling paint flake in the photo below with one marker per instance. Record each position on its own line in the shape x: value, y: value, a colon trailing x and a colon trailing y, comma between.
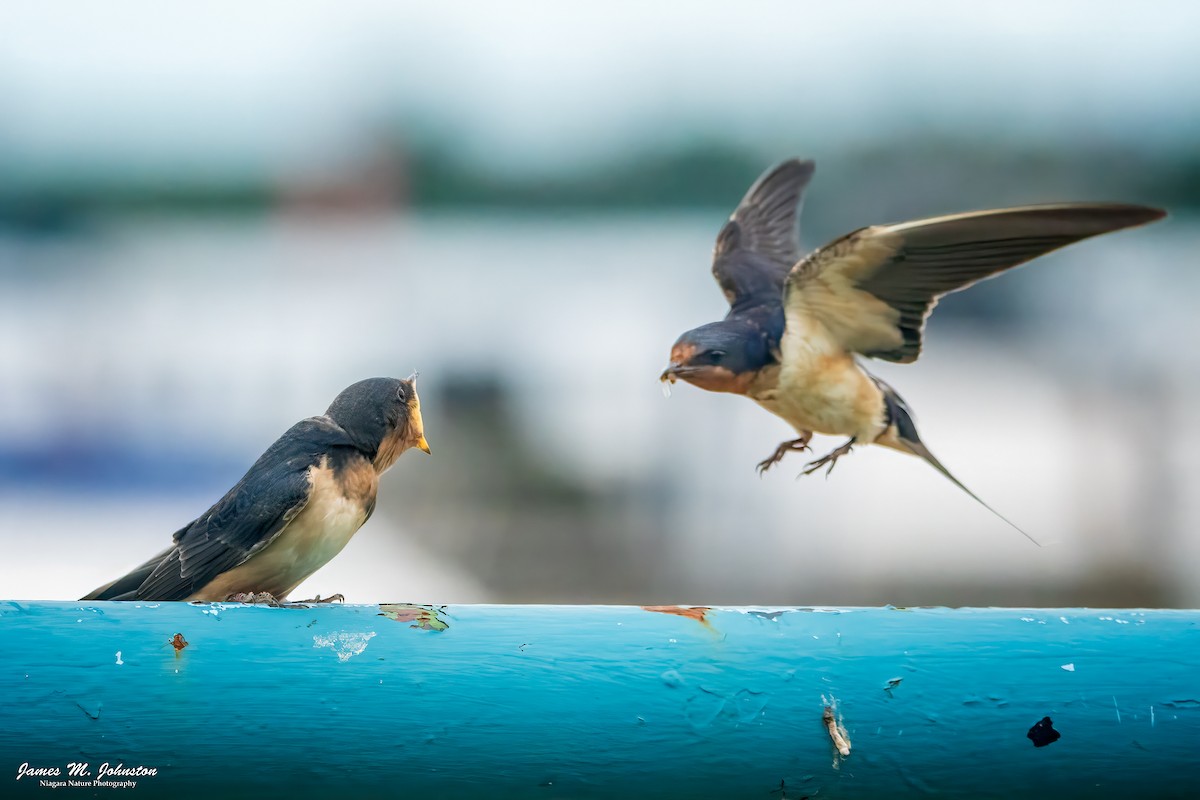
x: 426, y: 618
x: 698, y: 613
x: 119, y: 661
x: 91, y: 709
x: 345, y: 645
x: 1187, y: 702
x: 1069, y: 667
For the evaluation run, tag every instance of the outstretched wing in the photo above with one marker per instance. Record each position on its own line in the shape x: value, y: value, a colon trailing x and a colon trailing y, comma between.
x: 873, y: 289
x: 246, y: 519
x: 760, y: 243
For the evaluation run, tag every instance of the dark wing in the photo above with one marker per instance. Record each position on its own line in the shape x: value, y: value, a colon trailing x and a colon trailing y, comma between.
x: 249, y: 517
x: 760, y: 243
x: 873, y: 289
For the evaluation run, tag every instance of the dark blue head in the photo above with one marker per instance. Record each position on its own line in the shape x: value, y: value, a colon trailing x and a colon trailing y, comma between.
x: 382, y: 416
x: 721, y: 356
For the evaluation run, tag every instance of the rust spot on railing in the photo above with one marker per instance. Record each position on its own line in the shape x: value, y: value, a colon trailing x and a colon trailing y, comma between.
x: 698, y: 613
x: 178, y: 642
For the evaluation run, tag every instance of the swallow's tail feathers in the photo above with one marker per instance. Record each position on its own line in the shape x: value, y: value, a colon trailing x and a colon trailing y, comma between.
x: 901, y: 434
x: 918, y: 448
x: 125, y: 587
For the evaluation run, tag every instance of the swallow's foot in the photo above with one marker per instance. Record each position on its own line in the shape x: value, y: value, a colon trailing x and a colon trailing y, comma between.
x: 798, y: 445
x: 829, y: 459
x: 253, y: 598
x: 333, y: 598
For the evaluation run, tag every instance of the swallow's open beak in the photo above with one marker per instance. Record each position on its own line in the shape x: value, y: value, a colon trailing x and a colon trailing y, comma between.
x: 670, y: 373
x: 422, y: 444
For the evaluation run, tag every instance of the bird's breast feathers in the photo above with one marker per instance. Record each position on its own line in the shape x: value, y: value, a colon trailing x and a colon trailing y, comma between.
x: 821, y: 387
x: 339, y: 504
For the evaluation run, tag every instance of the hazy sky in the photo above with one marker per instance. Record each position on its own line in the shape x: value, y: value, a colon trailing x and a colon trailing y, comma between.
x: 228, y: 82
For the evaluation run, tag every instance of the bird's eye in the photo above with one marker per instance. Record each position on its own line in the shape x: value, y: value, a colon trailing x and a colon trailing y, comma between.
x: 714, y: 356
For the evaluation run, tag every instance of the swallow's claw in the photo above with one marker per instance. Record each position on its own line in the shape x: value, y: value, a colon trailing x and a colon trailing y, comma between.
x: 797, y: 445
x: 828, y: 460
x: 253, y: 598
x: 333, y: 598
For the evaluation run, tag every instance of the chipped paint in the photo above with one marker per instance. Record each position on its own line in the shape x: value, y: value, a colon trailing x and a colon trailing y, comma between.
x: 698, y: 613
x: 178, y: 642
x: 1042, y: 733
x: 672, y: 679
x: 774, y: 613
x: 710, y: 708
x: 1069, y: 667
x: 426, y: 618
x: 119, y: 661
x: 92, y: 710
x: 346, y: 645
x: 1183, y: 703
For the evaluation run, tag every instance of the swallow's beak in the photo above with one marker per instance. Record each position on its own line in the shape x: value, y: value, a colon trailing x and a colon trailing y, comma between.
x: 670, y: 373
x: 422, y: 444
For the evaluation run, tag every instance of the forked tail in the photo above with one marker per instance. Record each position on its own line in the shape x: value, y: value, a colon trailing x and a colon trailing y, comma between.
x: 902, y: 432
x: 919, y: 449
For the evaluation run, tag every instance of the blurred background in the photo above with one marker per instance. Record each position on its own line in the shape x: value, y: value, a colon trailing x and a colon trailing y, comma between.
x: 213, y: 219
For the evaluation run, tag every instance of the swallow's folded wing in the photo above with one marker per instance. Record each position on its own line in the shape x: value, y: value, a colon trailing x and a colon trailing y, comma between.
x: 874, y: 288
x: 249, y: 517
x: 761, y: 242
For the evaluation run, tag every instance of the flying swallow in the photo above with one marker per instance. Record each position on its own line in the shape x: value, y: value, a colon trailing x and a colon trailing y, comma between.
x: 797, y: 324
x: 294, y: 510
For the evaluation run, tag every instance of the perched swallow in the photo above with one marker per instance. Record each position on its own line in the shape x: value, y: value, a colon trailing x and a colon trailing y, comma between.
x: 796, y: 324
x: 294, y: 510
